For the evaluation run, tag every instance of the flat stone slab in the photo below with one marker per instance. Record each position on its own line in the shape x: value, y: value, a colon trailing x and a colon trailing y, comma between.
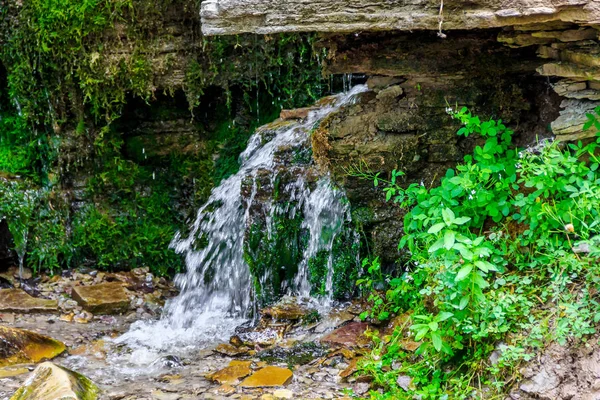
x: 18, y: 346
x: 18, y: 301
x: 106, y: 298
x: 350, y: 335
x: 268, y: 377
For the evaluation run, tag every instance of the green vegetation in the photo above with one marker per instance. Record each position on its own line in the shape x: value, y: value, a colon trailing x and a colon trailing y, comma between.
x: 501, y: 258
x: 72, y: 69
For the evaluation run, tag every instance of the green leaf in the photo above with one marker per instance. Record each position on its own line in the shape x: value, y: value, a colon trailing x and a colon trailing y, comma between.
x: 485, y: 266
x: 463, y: 302
x: 462, y: 220
x: 448, y: 216
x: 444, y: 315
x: 436, y: 228
x: 437, y: 245
x: 436, y: 339
x: 433, y: 326
x: 449, y: 239
x: 464, y: 272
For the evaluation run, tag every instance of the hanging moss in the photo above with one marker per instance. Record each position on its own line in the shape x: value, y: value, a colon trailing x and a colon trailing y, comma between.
x: 344, y: 256
x: 273, y: 259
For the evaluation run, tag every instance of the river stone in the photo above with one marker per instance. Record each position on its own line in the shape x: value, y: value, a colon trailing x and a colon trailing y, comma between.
x: 350, y: 335
x: 231, y: 351
x: 17, y: 300
x: 230, y: 375
x: 106, y: 298
x: 20, y: 346
x: 49, y: 381
x: 268, y: 377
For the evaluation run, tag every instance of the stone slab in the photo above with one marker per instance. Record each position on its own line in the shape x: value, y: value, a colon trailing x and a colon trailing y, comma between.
x: 106, y: 298
x: 268, y: 377
x: 18, y: 301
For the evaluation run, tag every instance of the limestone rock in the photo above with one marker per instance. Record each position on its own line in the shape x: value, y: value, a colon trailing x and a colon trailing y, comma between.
x: 17, y: 300
x: 268, y: 377
x: 350, y: 335
x: 286, y: 309
x: 106, y: 298
x: 569, y: 125
x: 49, y: 381
x: 21, y: 346
x: 270, y: 16
x: 230, y: 375
x: 283, y: 394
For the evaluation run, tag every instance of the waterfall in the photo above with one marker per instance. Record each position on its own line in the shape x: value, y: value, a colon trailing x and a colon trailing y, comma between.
x: 216, y: 292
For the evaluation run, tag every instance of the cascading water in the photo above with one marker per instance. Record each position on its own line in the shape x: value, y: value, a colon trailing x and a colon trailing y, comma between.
x: 216, y: 294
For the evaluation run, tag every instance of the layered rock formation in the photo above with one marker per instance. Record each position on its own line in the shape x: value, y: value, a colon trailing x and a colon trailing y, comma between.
x: 270, y: 16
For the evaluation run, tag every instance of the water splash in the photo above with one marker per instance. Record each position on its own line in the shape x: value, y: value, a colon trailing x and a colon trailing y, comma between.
x: 216, y: 293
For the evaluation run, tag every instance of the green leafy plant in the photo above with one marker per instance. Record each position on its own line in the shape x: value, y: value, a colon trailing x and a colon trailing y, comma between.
x: 501, y: 256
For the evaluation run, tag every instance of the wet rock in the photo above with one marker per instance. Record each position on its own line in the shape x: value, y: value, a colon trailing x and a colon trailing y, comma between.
x: 230, y: 375
x: 7, y: 318
x: 167, y: 362
x: 350, y: 335
x: 17, y: 300
x: 298, y: 113
x: 298, y: 354
x: 225, y: 389
x: 283, y: 394
x: 231, y: 351
x: 106, y: 298
x: 351, y: 369
x: 268, y: 377
x: 49, y: 381
x: 21, y: 346
x: 11, y: 371
x: 361, y: 388
x: 287, y: 309
x: 83, y: 317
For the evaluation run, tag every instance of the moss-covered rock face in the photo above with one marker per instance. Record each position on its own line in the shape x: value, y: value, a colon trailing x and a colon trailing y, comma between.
x: 18, y: 346
x: 122, y: 117
x: 403, y: 124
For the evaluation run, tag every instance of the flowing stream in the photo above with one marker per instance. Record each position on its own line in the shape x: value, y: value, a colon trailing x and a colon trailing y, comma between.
x: 216, y: 290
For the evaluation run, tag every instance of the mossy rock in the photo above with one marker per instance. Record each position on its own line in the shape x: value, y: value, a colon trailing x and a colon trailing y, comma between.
x: 50, y: 381
x: 20, y: 346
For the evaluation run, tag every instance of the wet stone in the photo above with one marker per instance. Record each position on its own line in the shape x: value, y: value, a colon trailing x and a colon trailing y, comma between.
x: 49, y: 381
x: 268, y: 377
x: 350, y: 335
x: 106, y: 298
x: 231, y: 351
x: 230, y: 375
x: 18, y: 301
x: 20, y: 346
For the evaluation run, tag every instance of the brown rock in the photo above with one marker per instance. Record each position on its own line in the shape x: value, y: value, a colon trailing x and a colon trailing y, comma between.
x: 230, y: 375
x: 233, y: 363
x: 106, y: 298
x: 17, y: 300
x: 225, y: 390
x: 19, y: 346
x: 352, y: 368
x: 231, y: 351
x: 298, y: 113
x: 348, y: 335
x: 268, y: 377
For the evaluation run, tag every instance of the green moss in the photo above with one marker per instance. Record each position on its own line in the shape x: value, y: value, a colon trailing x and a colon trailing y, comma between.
x: 344, y: 256
x: 274, y: 259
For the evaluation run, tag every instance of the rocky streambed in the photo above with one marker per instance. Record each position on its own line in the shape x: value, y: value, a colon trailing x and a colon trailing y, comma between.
x: 295, y: 349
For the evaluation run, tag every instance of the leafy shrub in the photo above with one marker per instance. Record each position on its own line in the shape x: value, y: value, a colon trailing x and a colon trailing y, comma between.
x: 502, y: 256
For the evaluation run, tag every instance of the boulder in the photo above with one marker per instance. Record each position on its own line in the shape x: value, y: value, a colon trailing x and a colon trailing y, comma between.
x: 18, y: 301
x: 350, y: 335
x: 19, y: 346
x: 268, y: 377
x: 106, y: 298
x: 49, y: 381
